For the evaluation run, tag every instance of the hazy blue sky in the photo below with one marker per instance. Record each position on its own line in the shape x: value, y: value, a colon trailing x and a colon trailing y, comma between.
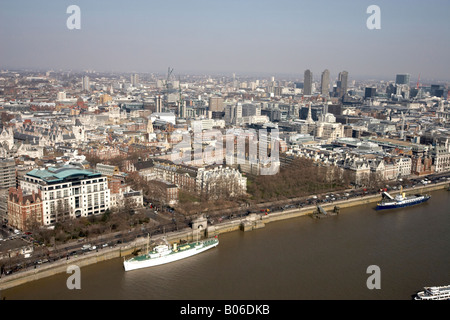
x: 229, y: 36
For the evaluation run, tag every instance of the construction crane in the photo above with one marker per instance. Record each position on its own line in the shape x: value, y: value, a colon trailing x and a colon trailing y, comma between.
x: 419, y: 90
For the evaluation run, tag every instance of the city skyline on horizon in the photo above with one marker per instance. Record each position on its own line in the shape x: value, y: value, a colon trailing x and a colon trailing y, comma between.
x: 299, y: 76
x: 264, y: 37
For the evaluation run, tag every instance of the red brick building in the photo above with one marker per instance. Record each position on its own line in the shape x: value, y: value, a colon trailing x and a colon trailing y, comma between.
x: 422, y: 166
x: 24, y: 210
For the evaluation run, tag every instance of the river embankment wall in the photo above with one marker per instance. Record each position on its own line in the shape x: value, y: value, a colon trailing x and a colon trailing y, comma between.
x: 248, y: 223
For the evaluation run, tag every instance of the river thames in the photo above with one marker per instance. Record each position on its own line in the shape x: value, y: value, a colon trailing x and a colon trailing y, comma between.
x: 297, y: 259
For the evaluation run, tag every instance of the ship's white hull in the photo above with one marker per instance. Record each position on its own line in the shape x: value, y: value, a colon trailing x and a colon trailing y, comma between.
x: 133, y: 265
x: 434, y: 293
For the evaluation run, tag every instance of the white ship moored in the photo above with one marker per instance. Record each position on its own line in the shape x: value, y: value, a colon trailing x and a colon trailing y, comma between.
x: 162, y: 254
x: 434, y: 293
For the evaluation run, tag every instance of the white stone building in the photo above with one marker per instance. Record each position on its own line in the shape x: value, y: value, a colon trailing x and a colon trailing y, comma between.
x: 404, y: 166
x: 68, y: 192
x: 441, y: 158
x: 219, y: 182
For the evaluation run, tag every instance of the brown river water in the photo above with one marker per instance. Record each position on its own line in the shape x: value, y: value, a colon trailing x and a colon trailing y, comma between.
x: 297, y: 259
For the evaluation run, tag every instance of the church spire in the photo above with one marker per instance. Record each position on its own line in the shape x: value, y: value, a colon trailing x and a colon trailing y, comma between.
x: 309, y: 117
x: 149, y: 126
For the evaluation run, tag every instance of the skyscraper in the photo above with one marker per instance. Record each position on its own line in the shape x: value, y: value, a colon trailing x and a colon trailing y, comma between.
x: 325, y: 83
x: 402, y: 79
x: 85, y: 83
x: 342, y: 84
x: 307, y: 82
x: 134, y: 80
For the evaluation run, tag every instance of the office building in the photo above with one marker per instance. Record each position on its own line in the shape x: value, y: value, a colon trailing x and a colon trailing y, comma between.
x: 233, y: 113
x: 342, y: 84
x: 307, y: 82
x: 370, y: 92
x: 437, y: 90
x: 216, y: 104
x: 7, y: 180
x: 7, y: 173
x: 134, y: 80
x: 298, y: 85
x: 68, y: 192
x: 85, y: 86
x: 249, y: 110
x: 325, y: 83
x: 402, y: 79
